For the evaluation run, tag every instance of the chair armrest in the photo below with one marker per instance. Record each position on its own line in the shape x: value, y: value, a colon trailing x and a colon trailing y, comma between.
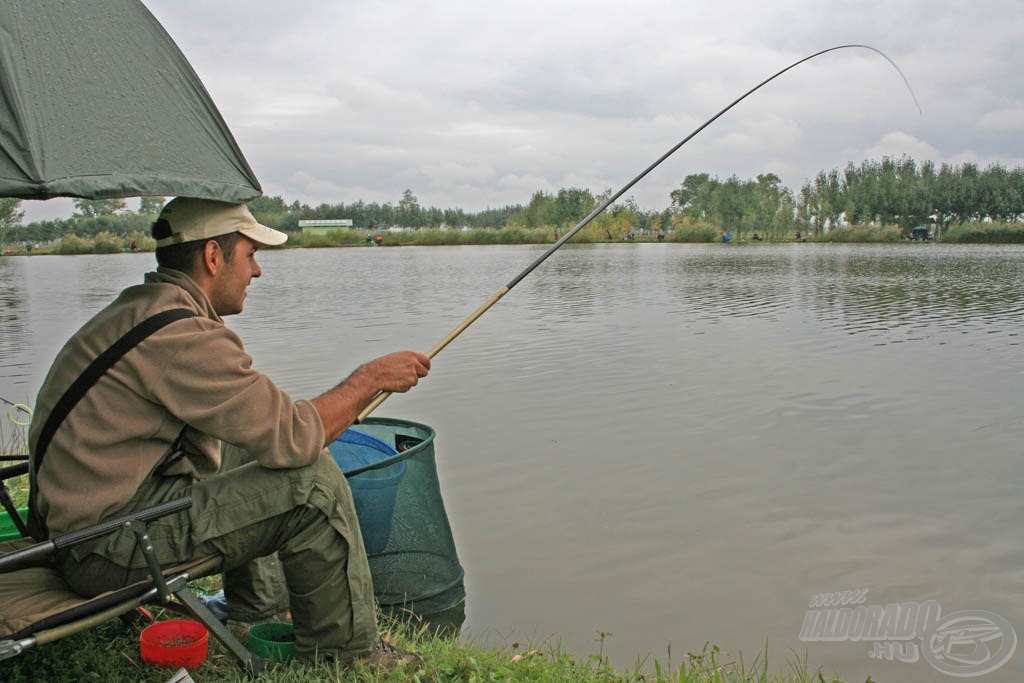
x: 12, y: 471
x: 39, y: 552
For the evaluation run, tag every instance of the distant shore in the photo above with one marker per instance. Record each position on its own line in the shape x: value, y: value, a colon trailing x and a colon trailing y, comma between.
x: 969, y: 233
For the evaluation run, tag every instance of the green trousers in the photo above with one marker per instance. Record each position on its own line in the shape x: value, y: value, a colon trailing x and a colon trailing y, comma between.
x: 246, y: 514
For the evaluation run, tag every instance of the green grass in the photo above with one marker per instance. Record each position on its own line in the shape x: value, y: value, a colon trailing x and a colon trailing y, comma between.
x: 696, y: 233
x: 110, y: 653
x: 985, y: 233
x: 860, y: 234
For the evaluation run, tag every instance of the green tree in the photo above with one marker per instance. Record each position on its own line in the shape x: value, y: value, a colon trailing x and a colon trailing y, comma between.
x: 857, y: 211
x: 922, y: 199
x: 614, y: 223
x: 455, y: 218
x: 831, y: 200
x: 150, y: 206
x: 10, y: 212
x: 542, y: 211
x: 10, y: 218
x: 1017, y: 194
x: 95, y: 208
x: 729, y: 204
x: 946, y: 182
x: 694, y: 197
x: 1000, y: 195
x: 808, y: 208
x: 572, y: 205
x: 965, y: 194
x: 666, y: 222
x: 270, y: 211
x: 629, y: 211
x: 409, y: 212
x: 770, y: 203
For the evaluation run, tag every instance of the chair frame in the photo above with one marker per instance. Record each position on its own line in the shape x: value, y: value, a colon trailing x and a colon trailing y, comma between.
x: 168, y: 588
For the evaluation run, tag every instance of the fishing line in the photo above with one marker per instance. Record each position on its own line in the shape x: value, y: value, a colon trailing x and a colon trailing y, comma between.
x: 461, y: 327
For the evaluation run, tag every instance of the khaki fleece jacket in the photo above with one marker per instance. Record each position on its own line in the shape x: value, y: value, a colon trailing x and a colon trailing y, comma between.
x: 192, y: 372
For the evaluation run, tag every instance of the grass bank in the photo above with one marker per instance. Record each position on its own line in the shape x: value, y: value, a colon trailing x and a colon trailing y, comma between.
x: 860, y: 235
x: 110, y: 653
x: 985, y: 233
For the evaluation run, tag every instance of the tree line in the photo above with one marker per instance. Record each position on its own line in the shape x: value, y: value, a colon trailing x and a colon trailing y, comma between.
x: 891, y: 192
x: 91, y: 217
x: 904, y: 193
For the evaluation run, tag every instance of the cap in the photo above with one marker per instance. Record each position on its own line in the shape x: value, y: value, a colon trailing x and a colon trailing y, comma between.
x: 199, y: 219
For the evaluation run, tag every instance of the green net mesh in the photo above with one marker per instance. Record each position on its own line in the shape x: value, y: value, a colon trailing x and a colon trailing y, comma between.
x: 405, y: 527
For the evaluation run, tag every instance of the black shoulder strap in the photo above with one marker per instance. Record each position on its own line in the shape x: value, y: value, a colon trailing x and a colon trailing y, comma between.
x: 97, y: 369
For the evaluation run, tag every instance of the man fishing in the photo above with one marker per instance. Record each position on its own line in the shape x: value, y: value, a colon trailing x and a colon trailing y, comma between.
x: 151, y: 429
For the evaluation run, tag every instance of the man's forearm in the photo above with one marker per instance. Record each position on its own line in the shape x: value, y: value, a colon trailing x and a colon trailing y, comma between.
x: 340, y: 406
x: 395, y: 372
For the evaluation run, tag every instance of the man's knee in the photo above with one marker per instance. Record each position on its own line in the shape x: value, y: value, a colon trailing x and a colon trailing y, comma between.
x: 327, y: 471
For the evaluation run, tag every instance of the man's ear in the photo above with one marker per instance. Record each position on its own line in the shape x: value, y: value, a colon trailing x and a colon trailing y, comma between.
x: 213, y: 258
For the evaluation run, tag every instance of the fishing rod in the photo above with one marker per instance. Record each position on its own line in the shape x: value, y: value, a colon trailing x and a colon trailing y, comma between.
x: 497, y: 296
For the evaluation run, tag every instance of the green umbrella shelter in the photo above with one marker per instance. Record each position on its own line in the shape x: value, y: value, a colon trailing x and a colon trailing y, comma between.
x: 96, y: 101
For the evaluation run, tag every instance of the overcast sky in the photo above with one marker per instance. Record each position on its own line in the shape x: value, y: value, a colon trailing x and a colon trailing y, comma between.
x: 480, y: 104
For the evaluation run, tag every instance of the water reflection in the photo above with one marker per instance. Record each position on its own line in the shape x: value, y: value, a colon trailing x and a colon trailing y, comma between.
x: 901, y: 296
x: 895, y: 295
x: 15, y: 332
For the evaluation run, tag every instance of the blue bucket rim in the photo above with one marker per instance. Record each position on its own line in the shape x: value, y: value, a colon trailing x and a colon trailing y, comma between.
x: 402, y: 455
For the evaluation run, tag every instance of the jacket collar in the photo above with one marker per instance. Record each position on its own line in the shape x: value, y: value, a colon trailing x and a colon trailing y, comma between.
x: 176, y: 277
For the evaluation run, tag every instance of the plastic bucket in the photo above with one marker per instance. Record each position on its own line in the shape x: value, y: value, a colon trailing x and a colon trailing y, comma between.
x: 374, y: 491
x: 174, y: 643
x: 8, y: 530
x: 274, y: 641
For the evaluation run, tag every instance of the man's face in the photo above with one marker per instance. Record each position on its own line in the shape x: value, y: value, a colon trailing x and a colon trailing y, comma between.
x: 231, y: 282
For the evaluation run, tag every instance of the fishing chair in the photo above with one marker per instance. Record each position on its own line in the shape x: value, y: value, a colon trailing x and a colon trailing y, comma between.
x: 37, y: 606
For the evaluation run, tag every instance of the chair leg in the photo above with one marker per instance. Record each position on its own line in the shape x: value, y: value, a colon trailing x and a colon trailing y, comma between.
x: 251, y: 663
x: 177, y: 586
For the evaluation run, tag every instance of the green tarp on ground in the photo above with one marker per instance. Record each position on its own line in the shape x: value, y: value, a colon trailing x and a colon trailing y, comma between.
x: 96, y: 101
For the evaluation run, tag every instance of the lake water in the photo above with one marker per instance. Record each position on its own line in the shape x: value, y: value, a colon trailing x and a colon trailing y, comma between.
x: 672, y: 443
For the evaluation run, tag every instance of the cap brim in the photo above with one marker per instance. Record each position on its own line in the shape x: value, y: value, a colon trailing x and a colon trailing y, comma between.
x: 264, y: 235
